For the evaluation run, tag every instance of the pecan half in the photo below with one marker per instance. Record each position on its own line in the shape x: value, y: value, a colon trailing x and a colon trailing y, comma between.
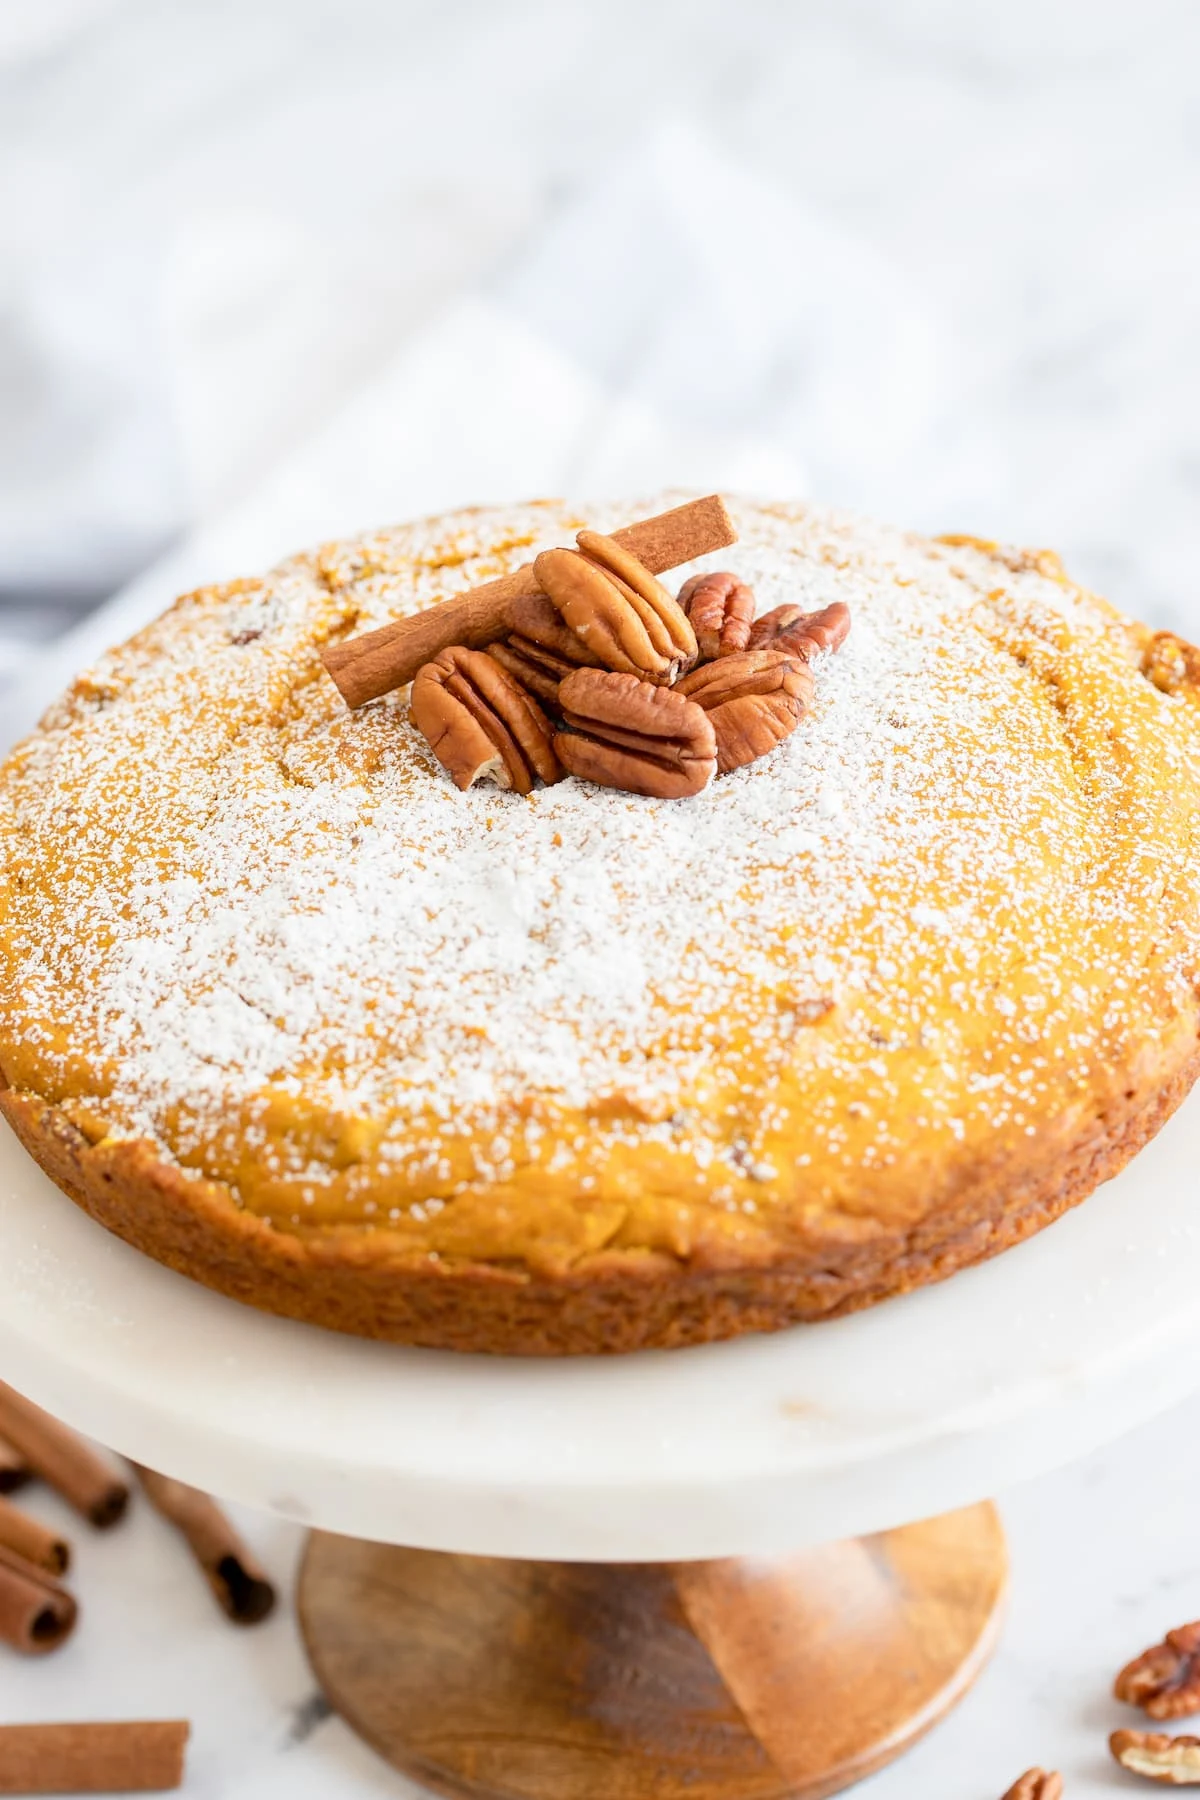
x: 1036, y: 1784
x: 626, y: 733
x: 1161, y: 1758
x: 750, y: 672
x: 480, y: 724
x: 755, y: 700
x: 625, y: 569
x: 623, y: 616
x: 751, y: 727
x: 537, y: 620
x: 1165, y: 1680
x: 537, y: 670
x: 721, y: 610
x: 803, y: 634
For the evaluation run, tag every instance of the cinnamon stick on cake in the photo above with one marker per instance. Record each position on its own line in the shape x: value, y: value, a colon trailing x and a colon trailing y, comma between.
x: 375, y: 662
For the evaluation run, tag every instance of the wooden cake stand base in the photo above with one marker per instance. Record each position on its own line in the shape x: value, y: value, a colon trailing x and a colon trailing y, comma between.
x: 736, y: 1680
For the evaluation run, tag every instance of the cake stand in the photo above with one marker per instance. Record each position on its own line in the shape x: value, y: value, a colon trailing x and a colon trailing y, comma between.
x: 685, y: 1573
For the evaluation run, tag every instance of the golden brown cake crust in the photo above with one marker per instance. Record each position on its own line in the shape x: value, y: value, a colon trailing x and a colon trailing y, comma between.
x: 580, y: 1071
x: 614, y: 1302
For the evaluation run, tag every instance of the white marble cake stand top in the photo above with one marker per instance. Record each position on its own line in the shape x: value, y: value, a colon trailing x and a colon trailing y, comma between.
x: 922, y: 1404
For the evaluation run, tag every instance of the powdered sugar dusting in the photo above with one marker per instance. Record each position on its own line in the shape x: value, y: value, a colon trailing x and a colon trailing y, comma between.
x: 271, y: 937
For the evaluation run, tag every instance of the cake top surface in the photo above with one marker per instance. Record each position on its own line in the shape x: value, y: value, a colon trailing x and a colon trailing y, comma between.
x: 268, y: 934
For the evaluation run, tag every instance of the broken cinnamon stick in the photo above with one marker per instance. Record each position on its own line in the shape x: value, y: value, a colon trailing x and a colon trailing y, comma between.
x: 245, y: 1593
x: 14, y: 1470
x: 34, y: 1541
x: 139, y: 1757
x: 36, y: 1615
x: 374, y: 662
x: 83, y: 1479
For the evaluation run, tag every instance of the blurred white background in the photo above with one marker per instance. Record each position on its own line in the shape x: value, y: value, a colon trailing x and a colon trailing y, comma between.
x: 932, y: 258
x: 271, y: 268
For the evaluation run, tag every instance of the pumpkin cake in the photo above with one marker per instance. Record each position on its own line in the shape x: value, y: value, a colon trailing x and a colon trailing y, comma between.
x: 581, y: 1069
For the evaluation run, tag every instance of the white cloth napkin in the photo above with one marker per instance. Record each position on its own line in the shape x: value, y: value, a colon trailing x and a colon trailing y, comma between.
x: 678, y: 324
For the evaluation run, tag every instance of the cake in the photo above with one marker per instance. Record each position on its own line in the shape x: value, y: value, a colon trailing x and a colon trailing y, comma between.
x: 578, y: 1069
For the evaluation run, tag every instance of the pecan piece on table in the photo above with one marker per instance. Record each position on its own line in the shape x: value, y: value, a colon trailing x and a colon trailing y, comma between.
x: 1158, y: 1756
x: 626, y: 733
x: 1165, y: 1680
x: 721, y: 609
x: 804, y: 634
x: 480, y: 724
x: 755, y: 700
x: 624, y: 617
x: 1036, y: 1784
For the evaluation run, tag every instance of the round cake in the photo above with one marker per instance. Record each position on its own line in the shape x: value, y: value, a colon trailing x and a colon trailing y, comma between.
x: 580, y: 1069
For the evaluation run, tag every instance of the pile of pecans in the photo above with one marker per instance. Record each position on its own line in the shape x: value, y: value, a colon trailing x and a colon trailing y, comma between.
x: 1165, y: 1683
x: 606, y: 677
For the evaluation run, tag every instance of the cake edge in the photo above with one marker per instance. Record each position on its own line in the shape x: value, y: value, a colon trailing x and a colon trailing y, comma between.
x: 613, y: 1302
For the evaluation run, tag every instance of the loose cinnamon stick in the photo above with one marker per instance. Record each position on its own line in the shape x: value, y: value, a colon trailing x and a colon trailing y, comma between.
x: 85, y: 1481
x: 36, y: 1615
x: 34, y: 1541
x: 245, y: 1593
x: 374, y: 662
x: 141, y: 1757
x: 14, y: 1470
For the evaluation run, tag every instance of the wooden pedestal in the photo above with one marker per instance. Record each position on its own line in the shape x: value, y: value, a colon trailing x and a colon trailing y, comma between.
x: 737, y: 1680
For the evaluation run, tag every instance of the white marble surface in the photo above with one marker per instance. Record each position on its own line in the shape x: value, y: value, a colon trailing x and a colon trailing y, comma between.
x: 1029, y: 175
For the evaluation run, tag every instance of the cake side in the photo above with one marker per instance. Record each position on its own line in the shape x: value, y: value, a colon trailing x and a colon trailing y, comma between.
x: 284, y: 1008
x: 612, y: 1302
